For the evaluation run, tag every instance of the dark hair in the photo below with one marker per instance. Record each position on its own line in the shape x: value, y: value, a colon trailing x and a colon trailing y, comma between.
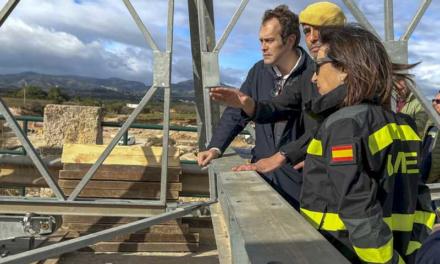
x: 288, y: 20
x: 371, y: 76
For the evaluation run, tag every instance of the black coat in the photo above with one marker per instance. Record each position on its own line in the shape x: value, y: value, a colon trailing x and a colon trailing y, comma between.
x: 259, y: 83
x: 296, y: 100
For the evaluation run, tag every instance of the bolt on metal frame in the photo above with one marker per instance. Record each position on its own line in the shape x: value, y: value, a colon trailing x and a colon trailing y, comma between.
x: 161, y: 79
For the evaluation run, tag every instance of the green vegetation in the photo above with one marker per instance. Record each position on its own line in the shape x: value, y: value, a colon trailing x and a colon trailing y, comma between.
x: 31, y: 92
x: 33, y: 99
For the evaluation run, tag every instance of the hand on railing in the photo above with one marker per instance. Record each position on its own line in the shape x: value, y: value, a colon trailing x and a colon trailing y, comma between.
x: 263, y: 165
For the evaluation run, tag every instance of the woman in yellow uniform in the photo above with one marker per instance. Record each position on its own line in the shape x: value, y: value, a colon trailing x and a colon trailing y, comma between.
x: 362, y: 185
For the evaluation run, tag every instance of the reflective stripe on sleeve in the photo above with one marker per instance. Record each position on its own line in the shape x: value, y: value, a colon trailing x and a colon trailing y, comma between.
x: 383, y: 137
x: 331, y: 222
x: 398, y: 222
x: 315, y: 147
x: 412, y: 246
x: 381, y: 254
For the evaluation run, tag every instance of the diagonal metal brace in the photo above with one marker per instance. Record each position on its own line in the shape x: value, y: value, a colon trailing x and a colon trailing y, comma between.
x: 31, y: 152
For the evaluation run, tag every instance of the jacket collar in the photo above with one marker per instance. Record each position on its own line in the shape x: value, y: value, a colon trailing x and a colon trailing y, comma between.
x: 324, y: 105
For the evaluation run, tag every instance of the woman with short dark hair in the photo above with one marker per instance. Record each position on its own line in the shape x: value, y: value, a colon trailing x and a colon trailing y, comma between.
x: 362, y: 185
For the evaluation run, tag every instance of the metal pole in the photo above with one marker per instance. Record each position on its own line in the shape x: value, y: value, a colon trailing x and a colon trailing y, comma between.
x: 74, y: 244
x: 231, y: 25
x: 170, y: 26
x: 416, y: 19
x: 357, y: 13
x: 112, y: 144
x: 7, y: 9
x: 165, y: 142
x: 166, y: 108
x: 389, y: 20
x: 27, y: 145
x: 141, y: 25
x: 202, y: 30
x: 202, y: 40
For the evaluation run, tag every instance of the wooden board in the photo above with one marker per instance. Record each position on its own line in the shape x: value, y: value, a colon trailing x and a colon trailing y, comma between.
x: 23, y: 176
x: 122, y: 155
x: 195, y: 184
x: 221, y: 234
x: 160, y: 229
x: 119, y: 185
x: 151, y: 237
x: 109, y: 220
x: 142, y: 247
x: 124, y: 194
x: 119, y: 172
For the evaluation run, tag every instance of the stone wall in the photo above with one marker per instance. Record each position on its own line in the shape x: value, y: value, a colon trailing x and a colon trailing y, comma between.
x: 72, y: 124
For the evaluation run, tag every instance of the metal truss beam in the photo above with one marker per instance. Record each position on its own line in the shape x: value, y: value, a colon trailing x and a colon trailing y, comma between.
x: 123, y: 208
x: 7, y: 10
x: 75, y: 244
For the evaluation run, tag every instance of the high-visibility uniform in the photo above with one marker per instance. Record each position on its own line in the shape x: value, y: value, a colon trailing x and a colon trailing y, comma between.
x: 362, y: 184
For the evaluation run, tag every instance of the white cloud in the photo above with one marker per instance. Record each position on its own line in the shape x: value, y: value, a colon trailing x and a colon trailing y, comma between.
x: 99, y: 38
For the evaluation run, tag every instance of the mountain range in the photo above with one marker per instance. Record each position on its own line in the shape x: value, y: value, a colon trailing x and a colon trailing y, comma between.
x: 111, y: 88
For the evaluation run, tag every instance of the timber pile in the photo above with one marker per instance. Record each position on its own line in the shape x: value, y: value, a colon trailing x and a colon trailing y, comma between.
x: 130, y: 172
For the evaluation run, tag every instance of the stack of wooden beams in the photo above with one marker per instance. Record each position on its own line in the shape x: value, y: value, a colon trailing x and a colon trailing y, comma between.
x: 171, y: 236
x: 129, y: 172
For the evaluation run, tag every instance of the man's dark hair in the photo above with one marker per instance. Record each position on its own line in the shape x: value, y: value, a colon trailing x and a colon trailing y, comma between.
x: 288, y: 21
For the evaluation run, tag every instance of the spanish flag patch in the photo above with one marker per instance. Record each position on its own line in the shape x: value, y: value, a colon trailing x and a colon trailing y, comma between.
x: 342, y: 153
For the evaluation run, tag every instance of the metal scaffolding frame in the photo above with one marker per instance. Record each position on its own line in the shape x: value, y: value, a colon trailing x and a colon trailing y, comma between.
x: 74, y: 205
x: 161, y: 79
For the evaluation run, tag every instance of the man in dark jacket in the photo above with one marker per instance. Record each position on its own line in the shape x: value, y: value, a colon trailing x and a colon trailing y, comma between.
x: 284, y: 65
x: 294, y: 100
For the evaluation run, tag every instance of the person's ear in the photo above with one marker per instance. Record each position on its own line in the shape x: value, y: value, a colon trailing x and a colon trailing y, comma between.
x: 342, y: 76
x: 292, y: 39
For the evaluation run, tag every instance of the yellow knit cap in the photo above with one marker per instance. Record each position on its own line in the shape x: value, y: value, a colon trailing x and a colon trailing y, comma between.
x: 322, y: 14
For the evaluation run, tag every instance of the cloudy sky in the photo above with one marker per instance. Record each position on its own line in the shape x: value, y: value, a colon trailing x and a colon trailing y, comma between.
x: 98, y: 38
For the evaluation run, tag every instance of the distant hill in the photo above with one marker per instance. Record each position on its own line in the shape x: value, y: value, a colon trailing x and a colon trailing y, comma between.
x: 111, y: 88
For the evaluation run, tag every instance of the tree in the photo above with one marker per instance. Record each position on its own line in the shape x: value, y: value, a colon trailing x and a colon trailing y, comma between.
x: 57, y: 95
x: 32, y: 92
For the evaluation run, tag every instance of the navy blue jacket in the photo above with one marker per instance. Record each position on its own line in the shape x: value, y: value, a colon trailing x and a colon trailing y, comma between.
x: 259, y: 83
x: 429, y: 253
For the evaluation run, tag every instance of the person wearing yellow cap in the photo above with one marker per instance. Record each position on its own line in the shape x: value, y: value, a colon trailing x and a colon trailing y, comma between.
x: 315, y: 16
x: 311, y: 18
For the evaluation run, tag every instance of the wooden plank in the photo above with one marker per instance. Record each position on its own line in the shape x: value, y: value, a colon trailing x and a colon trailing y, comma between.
x: 21, y: 175
x: 206, y: 235
x: 120, y: 172
x: 150, y: 237
x: 142, y: 247
x: 194, y: 184
x: 122, y: 155
x: 125, y: 194
x: 119, y: 185
x: 160, y: 229
x: 221, y: 234
x: 200, y: 222
x: 109, y: 220
x: 263, y: 226
x: 58, y: 236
